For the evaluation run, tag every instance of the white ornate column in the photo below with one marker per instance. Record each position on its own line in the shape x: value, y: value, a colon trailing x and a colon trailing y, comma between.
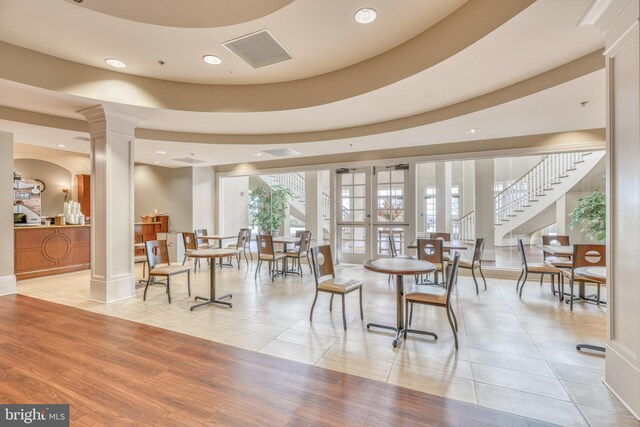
x: 443, y: 197
x: 7, y: 276
x: 619, y: 22
x: 313, y: 205
x: 112, y: 189
x: 484, y: 201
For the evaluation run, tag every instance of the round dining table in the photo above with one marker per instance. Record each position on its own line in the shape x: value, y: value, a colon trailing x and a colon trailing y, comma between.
x: 398, y: 267
x: 597, y: 275
x: 212, y: 254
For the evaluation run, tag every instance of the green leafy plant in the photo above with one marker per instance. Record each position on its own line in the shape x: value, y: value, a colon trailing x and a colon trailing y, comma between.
x: 268, y: 207
x: 591, y: 212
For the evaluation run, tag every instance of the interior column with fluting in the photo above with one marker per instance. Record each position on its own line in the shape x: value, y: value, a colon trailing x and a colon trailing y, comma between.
x: 112, y: 189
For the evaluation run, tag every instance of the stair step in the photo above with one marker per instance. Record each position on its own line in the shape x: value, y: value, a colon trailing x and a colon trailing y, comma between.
x: 572, y: 169
x: 578, y: 161
x: 510, y: 216
x: 556, y: 183
x: 497, y: 224
x: 518, y: 210
x: 533, y: 200
x: 563, y: 176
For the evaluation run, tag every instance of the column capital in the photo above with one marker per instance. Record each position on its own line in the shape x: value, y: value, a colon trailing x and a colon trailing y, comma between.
x: 110, y: 115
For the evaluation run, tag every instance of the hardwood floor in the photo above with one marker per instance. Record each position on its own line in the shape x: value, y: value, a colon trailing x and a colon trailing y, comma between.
x: 117, y: 372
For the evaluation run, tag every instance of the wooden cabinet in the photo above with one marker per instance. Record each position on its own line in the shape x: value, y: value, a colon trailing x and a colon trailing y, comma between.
x: 83, y: 184
x: 164, y: 223
x: 44, y: 251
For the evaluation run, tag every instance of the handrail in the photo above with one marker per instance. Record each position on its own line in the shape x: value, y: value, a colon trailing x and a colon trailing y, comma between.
x: 464, y: 228
x: 522, y: 177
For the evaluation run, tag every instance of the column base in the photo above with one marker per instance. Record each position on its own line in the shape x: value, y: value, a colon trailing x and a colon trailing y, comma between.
x: 107, y: 291
x: 7, y: 285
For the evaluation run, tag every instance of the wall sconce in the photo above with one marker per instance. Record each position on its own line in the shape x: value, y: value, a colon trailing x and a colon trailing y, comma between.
x: 65, y: 190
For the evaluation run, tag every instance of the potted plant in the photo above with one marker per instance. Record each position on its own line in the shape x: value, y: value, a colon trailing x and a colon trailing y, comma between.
x: 591, y: 212
x: 268, y: 207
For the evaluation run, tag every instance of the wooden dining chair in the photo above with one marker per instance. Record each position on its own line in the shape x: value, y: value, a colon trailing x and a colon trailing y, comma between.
x: 302, y: 251
x: 441, y: 236
x: 248, y: 231
x: 240, y: 246
x: 201, y: 243
x: 436, y: 297
x: 160, y: 265
x: 267, y: 253
x: 432, y: 250
x: 190, y: 245
x: 535, y: 268
x: 393, y: 250
x: 326, y: 281
x: 142, y: 258
x: 560, y: 261
x: 475, y: 262
x: 584, y: 255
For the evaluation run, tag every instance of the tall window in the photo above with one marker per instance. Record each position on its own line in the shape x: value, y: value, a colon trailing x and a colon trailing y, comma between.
x: 430, y: 209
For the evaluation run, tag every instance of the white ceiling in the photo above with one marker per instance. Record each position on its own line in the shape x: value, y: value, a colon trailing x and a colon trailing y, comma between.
x: 542, y: 37
x: 322, y: 36
x: 553, y: 110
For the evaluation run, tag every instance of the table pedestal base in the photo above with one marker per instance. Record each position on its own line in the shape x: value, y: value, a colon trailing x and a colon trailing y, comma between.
x: 400, y: 332
x: 208, y: 301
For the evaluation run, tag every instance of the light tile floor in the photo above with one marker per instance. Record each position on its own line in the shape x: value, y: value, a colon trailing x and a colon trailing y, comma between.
x: 515, y: 355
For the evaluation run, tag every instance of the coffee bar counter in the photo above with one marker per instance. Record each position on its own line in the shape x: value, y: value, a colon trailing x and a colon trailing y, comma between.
x: 48, y: 250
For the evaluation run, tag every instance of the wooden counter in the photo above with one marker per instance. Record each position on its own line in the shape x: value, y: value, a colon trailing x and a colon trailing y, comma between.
x: 48, y: 250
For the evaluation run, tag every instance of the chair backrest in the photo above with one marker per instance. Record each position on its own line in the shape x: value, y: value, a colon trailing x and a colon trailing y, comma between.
x: 430, y: 250
x: 441, y: 236
x: 305, y: 241
x: 201, y: 232
x: 588, y: 255
x: 478, y: 249
x: 189, y: 240
x: 523, y: 257
x: 157, y: 253
x: 549, y: 240
x: 392, y: 247
x: 322, y: 262
x: 242, y: 239
x: 453, y: 276
x: 299, y: 232
x: 248, y: 234
x: 265, y: 244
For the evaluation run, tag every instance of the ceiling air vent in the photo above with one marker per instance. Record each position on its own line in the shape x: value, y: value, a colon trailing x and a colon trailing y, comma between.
x: 189, y: 160
x: 258, y: 49
x: 282, y: 152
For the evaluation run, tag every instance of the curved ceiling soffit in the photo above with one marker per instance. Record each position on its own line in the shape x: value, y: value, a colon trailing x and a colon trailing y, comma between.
x: 72, y: 166
x: 436, y: 44
x: 186, y: 13
x: 559, y: 75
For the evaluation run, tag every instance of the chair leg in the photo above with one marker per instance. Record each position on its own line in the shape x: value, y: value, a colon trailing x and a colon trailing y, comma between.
x: 406, y: 318
x: 144, y: 296
x: 410, y: 315
x: 309, y: 262
x: 541, y: 277
x: 598, y: 295
x: 331, y: 304
x: 526, y: 274
x: 245, y: 257
x: 519, y: 278
x: 189, y: 281
x: 473, y: 273
x: 184, y: 260
x: 362, y: 312
x: 455, y: 320
x: 238, y: 259
x: 455, y: 334
x: 313, y: 306
x: 344, y: 314
x: 255, y: 275
x: 482, y: 274
x: 571, y: 297
x: 553, y: 284
x: 435, y: 277
x: 169, y: 288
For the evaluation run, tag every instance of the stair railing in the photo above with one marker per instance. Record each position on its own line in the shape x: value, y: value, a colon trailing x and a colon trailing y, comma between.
x: 464, y: 229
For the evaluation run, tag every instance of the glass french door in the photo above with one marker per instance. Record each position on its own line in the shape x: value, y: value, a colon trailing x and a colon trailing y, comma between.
x: 372, y: 205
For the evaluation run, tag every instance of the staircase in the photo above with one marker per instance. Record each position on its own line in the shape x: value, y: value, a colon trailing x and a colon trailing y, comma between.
x: 532, y: 195
x: 296, y: 183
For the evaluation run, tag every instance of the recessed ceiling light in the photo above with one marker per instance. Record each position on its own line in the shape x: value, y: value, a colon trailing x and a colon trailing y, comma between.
x: 366, y: 15
x: 258, y: 154
x: 61, y: 145
x: 212, y: 59
x: 161, y: 152
x: 472, y: 130
x: 115, y: 63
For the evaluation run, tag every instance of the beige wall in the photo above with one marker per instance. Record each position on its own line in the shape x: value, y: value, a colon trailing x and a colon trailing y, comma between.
x: 203, y: 198
x: 54, y: 177
x: 234, y: 204
x: 170, y: 191
x: 7, y: 278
